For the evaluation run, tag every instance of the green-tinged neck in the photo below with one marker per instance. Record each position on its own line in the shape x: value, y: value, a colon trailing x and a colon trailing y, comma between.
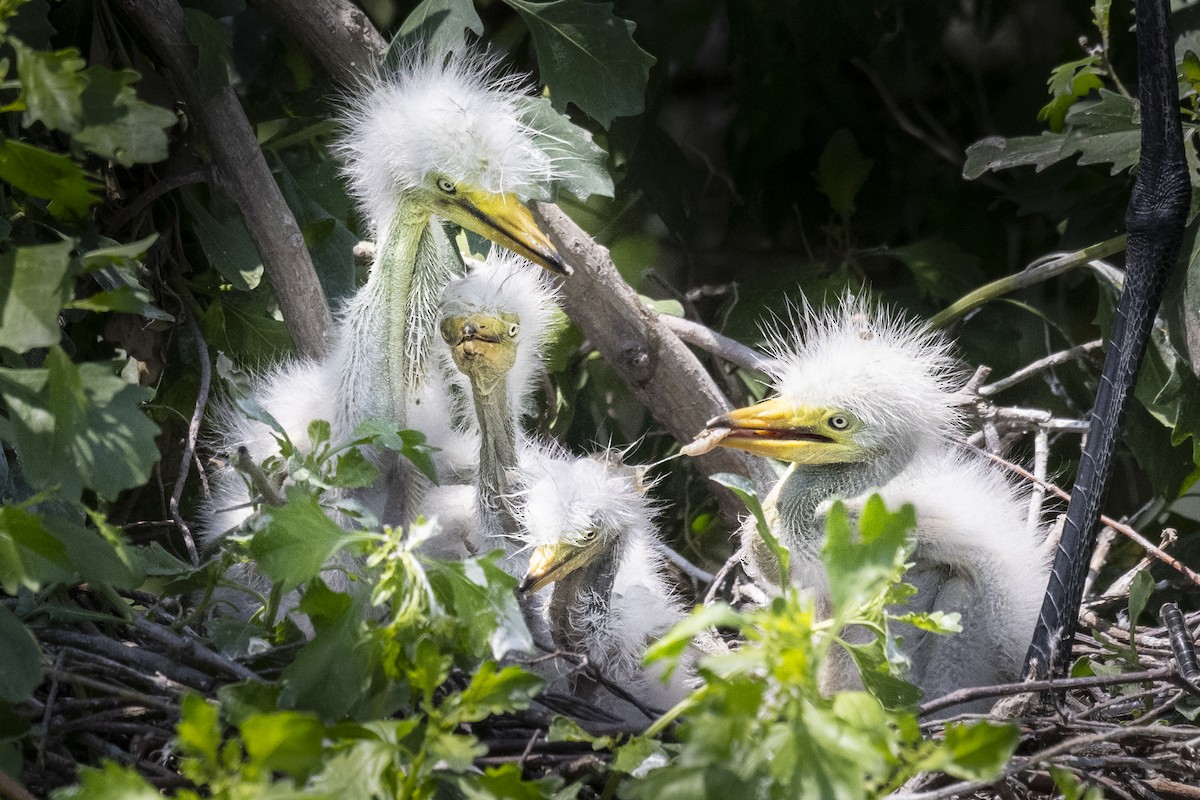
x: 802, y: 489
x: 390, y: 322
x: 580, y: 603
x: 497, y: 454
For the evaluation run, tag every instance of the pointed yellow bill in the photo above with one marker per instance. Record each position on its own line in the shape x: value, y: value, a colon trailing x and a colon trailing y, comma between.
x: 506, y: 221
x: 777, y: 428
x: 549, y: 563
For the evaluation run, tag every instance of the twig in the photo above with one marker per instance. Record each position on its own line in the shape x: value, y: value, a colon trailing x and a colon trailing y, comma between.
x: 691, y: 569
x: 10, y: 788
x: 718, y: 344
x: 170, y: 183
x: 961, y: 696
x: 244, y: 175
x: 194, y: 651
x: 1120, y: 527
x: 129, y: 695
x: 1052, y: 360
x: 187, y: 310
x: 259, y: 479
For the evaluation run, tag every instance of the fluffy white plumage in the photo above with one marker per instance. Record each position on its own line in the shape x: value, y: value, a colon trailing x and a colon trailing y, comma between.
x: 452, y: 115
x: 624, y: 605
x: 891, y: 382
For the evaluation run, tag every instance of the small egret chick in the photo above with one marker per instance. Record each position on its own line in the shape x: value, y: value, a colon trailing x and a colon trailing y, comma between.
x: 865, y: 403
x: 591, y: 527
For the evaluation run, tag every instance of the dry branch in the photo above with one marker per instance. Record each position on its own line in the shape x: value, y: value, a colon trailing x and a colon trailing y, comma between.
x: 243, y: 175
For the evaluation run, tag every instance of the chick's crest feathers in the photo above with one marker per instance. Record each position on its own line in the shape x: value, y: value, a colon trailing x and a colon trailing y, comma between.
x: 439, y: 115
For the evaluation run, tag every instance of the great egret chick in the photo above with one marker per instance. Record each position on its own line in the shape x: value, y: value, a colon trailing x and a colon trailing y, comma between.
x: 865, y: 402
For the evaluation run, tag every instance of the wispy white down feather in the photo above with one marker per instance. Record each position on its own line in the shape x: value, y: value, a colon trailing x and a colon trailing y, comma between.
x: 439, y: 115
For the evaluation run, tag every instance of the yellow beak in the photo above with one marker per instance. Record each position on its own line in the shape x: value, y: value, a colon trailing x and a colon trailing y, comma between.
x: 549, y: 563
x: 506, y: 221
x: 778, y: 429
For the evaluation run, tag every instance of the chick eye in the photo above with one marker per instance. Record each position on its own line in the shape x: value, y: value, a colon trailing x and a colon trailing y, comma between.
x: 513, y: 330
x: 839, y: 422
x: 446, y: 186
x: 588, y: 535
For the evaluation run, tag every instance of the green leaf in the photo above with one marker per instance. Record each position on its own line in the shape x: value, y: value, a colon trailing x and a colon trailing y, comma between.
x: 1101, y: 132
x: 746, y: 492
x: 978, y: 750
x: 226, y: 242
x: 863, y: 568
x: 20, y: 659
x: 941, y: 269
x: 893, y: 692
x: 30, y: 556
x: 76, y: 426
x: 588, y: 57
x: 354, y: 471
x: 481, y: 596
x: 1139, y: 594
x: 283, y: 741
x: 410, y: 444
x: 293, y: 542
x: 841, y: 172
x: 199, y: 731
x: 1069, y: 82
x: 934, y: 621
x: 582, y: 165
x: 118, y: 125
x: 35, y: 282
x: 439, y: 25
x: 454, y: 752
x: 52, y: 85
x: 492, y: 692
x: 51, y: 176
x: 110, y: 782
x: 675, y: 641
x: 330, y: 675
x: 213, y: 45
x: 505, y: 781
x: 316, y: 199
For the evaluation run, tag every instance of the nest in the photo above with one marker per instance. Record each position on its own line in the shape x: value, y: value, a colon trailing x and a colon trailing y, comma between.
x: 114, y: 692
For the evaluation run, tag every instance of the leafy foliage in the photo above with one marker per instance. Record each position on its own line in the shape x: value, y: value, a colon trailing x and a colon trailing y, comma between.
x: 696, y: 154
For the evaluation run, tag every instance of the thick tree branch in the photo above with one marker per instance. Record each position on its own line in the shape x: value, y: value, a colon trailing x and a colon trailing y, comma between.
x: 335, y: 32
x: 243, y: 175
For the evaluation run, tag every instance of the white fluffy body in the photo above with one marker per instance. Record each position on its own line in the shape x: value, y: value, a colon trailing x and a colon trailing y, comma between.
x: 563, y: 501
x: 975, y: 551
x: 450, y: 115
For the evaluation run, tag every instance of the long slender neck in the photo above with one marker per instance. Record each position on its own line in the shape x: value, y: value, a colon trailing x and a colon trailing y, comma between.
x: 497, y: 455
x: 388, y: 324
x: 580, y: 604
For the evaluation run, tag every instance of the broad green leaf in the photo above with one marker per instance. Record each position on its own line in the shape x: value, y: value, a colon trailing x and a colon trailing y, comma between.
x: 97, y: 556
x: 20, y: 659
x: 438, y: 25
x: 109, y: 782
x: 283, y: 741
x: 746, y: 492
x: 30, y: 556
x: 506, y: 781
x: 354, y: 470
x: 117, y: 255
x: 580, y: 163
x: 225, y: 242
x: 330, y: 675
x: 675, y: 641
x: 242, y: 323
x: 895, y: 693
x: 292, y: 542
x: 978, y: 750
x: 199, y: 731
x: 941, y: 269
x: 454, y: 752
x: 408, y: 443
x: 118, y: 125
x: 491, y: 692
x: 52, y: 85
x: 1068, y: 83
x: 213, y: 45
x: 841, y: 172
x: 859, y: 569
x: 587, y: 56
x: 50, y: 176
x: 78, y: 426
x: 1139, y: 594
x: 126, y: 299
x: 35, y: 282
x: 934, y: 621
x: 482, y: 597
x: 1099, y: 132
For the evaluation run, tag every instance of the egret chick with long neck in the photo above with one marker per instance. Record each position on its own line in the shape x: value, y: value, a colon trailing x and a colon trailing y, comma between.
x: 865, y: 402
